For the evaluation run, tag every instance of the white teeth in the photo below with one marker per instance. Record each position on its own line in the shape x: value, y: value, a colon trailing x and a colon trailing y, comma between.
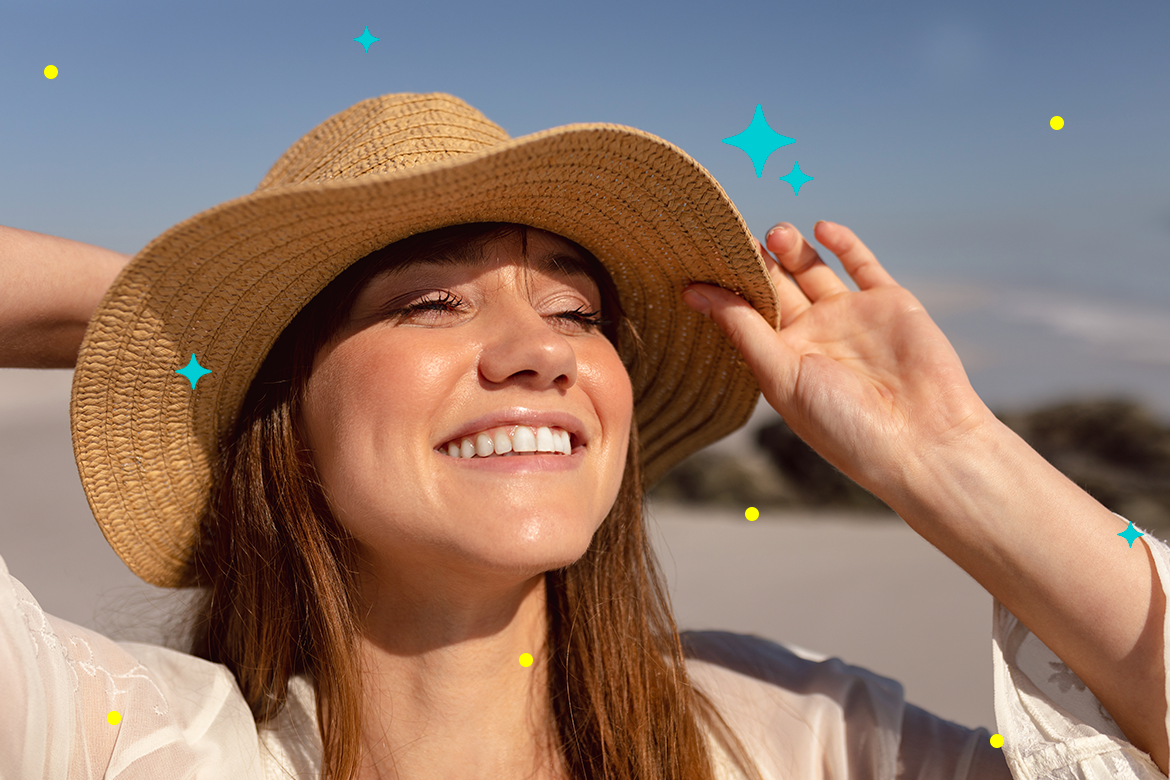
x: 483, y: 445
x: 524, y: 439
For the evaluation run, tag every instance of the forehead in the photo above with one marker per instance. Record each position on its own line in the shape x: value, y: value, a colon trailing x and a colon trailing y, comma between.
x: 546, y: 253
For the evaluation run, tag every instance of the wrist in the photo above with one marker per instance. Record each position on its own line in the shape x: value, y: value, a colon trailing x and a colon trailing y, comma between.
x: 955, y: 488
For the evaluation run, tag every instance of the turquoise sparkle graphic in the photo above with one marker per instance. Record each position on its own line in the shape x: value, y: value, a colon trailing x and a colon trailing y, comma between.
x: 759, y: 140
x: 193, y: 371
x: 1131, y: 534
x: 365, y: 39
x: 796, y: 177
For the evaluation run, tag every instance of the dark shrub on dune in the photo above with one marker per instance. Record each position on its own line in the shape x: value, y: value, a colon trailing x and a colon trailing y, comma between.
x: 1113, y: 448
x: 817, y: 482
x: 783, y: 473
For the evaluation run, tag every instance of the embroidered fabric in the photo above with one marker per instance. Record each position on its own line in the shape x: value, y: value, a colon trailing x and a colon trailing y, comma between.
x: 799, y: 714
x: 1057, y: 727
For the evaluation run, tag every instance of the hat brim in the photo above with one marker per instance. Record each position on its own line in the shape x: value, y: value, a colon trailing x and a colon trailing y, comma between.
x: 223, y: 284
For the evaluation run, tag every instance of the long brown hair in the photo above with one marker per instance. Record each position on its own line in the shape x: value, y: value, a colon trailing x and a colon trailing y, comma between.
x: 280, y: 586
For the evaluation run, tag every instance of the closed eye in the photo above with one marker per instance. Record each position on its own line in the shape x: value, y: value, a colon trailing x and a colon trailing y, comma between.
x: 590, y: 320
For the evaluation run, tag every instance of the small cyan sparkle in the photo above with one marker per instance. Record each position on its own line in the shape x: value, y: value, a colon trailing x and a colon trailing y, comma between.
x: 1131, y: 534
x: 796, y: 178
x: 759, y: 140
x: 365, y: 39
x: 193, y: 371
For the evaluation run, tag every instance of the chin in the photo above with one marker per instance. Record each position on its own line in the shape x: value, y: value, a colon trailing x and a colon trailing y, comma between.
x: 533, y: 559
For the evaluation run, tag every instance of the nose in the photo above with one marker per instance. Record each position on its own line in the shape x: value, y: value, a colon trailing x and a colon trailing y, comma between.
x: 522, y: 343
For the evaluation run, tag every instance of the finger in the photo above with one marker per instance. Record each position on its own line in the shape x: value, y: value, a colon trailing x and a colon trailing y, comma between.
x: 774, y: 363
x: 860, y: 263
x: 809, y: 271
x: 793, y: 302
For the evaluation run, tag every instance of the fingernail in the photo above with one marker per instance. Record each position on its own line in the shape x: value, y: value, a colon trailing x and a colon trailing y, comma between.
x: 697, y: 301
x: 777, y: 229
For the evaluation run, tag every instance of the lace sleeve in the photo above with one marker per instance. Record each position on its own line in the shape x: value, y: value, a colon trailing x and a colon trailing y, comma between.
x: 1053, y: 726
x: 174, y: 716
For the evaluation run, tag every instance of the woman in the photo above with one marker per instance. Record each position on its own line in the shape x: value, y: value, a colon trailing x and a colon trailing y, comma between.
x: 366, y: 346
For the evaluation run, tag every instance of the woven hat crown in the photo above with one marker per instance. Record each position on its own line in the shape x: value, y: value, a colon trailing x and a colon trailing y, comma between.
x: 383, y: 135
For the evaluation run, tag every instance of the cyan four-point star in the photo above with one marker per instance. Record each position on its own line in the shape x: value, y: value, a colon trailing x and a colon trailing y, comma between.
x: 193, y: 371
x: 1131, y: 534
x: 759, y: 140
x: 796, y: 177
x: 365, y: 39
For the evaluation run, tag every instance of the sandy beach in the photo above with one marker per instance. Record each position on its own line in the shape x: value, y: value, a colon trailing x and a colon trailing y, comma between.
x: 865, y: 589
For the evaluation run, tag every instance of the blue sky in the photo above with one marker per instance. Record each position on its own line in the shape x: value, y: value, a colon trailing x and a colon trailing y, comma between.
x: 925, y: 125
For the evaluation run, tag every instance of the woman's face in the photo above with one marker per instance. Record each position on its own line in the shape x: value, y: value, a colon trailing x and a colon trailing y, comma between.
x: 384, y: 402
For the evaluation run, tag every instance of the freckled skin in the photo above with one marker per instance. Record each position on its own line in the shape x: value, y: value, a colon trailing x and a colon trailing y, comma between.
x: 384, y: 396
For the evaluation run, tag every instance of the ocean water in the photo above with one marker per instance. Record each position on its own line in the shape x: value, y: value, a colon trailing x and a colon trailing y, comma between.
x: 1024, y: 346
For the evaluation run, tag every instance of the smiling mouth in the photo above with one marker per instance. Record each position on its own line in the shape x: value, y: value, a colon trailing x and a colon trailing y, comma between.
x: 512, y: 441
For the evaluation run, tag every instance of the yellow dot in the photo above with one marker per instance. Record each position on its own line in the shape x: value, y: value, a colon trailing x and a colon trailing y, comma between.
x: 114, y: 718
x: 996, y: 739
x: 752, y: 513
x: 526, y: 659
x: 50, y: 71
x: 1057, y: 122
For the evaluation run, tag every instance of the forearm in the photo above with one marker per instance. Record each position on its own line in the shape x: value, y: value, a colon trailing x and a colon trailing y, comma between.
x: 1050, y: 553
x: 49, y: 289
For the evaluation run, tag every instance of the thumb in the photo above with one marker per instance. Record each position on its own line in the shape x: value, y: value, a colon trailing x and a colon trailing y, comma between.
x: 775, y: 364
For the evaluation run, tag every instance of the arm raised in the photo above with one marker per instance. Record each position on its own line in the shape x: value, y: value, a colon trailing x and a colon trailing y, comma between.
x: 49, y: 289
x: 1051, y: 554
x: 870, y: 382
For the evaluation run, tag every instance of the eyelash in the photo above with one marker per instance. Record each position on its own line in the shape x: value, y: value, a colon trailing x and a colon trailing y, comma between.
x: 588, y: 319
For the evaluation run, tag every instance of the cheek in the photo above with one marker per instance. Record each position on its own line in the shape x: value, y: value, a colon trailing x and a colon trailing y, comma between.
x: 317, y: 409
x: 609, y: 384
x: 613, y: 396
x: 337, y: 393
x: 364, y: 391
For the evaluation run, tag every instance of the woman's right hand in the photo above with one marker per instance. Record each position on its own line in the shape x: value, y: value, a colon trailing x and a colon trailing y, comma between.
x: 49, y: 290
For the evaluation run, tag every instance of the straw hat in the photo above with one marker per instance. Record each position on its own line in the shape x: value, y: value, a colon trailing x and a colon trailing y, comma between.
x: 223, y: 285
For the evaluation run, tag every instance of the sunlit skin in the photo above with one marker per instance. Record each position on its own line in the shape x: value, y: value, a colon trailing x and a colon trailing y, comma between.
x: 453, y: 558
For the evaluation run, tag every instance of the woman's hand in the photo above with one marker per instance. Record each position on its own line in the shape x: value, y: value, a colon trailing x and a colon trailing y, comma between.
x: 865, y: 378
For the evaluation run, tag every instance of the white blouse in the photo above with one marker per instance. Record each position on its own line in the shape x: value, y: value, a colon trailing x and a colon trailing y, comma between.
x: 801, y: 716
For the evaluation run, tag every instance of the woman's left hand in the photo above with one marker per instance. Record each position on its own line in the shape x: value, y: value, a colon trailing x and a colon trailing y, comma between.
x: 872, y: 384
x: 865, y: 378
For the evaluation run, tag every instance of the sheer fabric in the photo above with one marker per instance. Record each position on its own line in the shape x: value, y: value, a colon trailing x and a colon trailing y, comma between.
x: 802, y: 716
